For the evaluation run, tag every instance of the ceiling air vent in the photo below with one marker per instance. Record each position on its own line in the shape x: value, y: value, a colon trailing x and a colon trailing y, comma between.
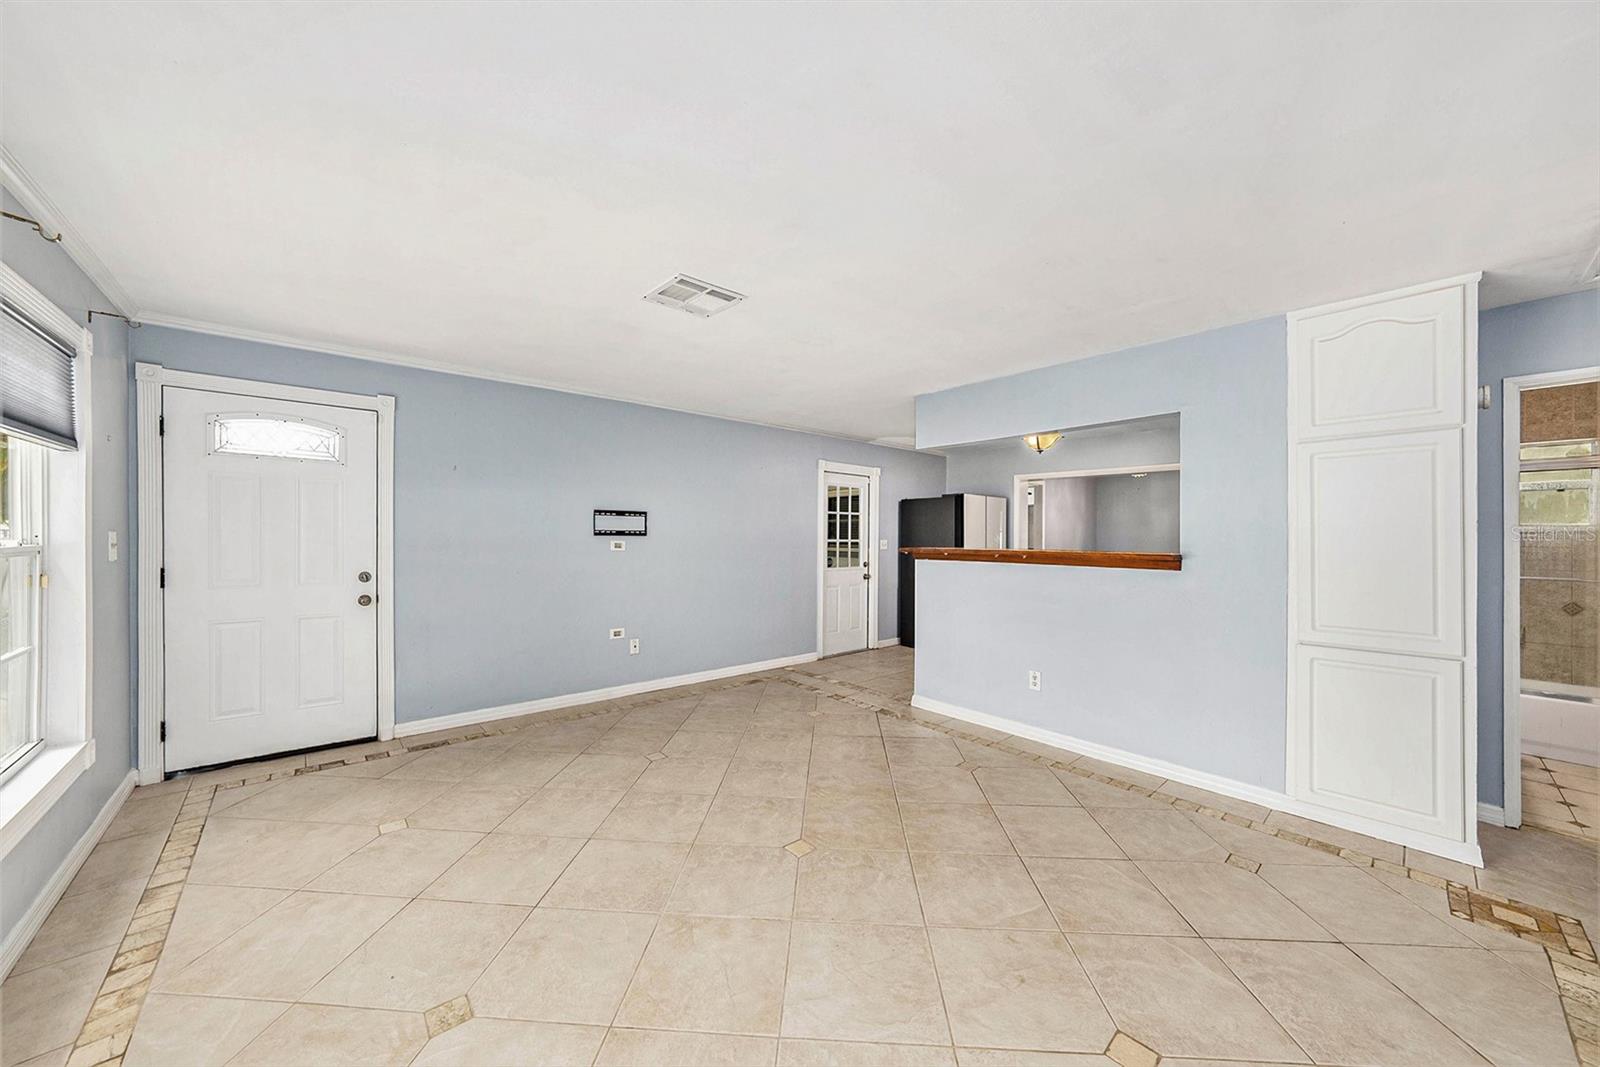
x: 694, y: 296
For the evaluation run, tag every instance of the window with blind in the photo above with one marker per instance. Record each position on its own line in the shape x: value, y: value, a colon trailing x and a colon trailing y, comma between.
x: 21, y: 520
x: 46, y: 716
x: 38, y: 413
x: 38, y: 391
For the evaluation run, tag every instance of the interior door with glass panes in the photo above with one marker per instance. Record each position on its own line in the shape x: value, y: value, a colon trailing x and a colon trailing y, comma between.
x: 270, y: 515
x: 846, y: 575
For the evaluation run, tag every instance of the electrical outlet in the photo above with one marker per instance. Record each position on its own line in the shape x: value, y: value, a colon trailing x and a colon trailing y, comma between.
x: 1033, y: 680
x: 633, y: 647
x: 111, y: 546
x: 616, y: 632
x: 619, y: 546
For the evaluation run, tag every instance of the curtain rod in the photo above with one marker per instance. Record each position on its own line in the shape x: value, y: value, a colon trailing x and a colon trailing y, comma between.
x: 132, y: 325
x: 34, y: 223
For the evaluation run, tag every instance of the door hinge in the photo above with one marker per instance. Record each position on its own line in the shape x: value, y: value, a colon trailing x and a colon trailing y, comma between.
x: 163, y: 577
x: 163, y: 729
x: 161, y: 426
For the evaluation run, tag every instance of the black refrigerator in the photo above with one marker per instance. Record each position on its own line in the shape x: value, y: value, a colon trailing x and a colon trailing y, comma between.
x: 955, y: 520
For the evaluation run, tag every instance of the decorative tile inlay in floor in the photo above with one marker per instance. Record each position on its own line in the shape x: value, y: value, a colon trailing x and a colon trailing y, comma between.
x: 1561, y: 797
x: 791, y: 867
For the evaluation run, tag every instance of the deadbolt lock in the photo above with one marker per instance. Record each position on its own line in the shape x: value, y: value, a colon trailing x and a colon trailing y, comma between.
x: 364, y: 576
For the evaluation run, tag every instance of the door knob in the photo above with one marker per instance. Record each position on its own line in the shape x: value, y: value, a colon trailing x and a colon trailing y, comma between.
x: 364, y: 600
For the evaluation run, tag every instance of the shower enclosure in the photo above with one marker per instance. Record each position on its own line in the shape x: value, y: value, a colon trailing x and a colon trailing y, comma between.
x: 1558, y: 528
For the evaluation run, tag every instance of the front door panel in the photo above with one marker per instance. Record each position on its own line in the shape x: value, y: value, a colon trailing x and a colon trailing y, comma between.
x: 270, y: 517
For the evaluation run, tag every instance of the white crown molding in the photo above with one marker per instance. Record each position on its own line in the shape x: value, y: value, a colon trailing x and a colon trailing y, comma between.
x: 373, y: 355
x: 33, y: 198
x: 1590, y: 276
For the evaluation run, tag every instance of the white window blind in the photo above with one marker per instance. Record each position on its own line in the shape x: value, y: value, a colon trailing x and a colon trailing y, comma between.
x: 37, y: 388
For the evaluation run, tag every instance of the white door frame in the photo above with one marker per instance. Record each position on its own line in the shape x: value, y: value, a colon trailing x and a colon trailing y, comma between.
x: 873, y: 476
x: 1019, y: 482
x: 1511, y: 561
x: 149, y: 378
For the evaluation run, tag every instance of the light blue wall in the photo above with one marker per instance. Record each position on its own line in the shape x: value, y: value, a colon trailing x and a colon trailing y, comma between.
x: 1562, y: 333
x: 32, y: 862
x: 1138, y: 514
x: 1106, y: 629
x: 988, y: 467
x: 1185, y: 666
x: 503, y: 593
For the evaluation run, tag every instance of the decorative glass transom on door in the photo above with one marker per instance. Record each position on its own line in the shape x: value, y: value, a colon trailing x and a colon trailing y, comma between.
x: 844, y: 526
x: 275, y: 437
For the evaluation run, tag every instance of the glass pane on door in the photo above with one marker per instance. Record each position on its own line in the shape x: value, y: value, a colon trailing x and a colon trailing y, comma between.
x: 843, y: 526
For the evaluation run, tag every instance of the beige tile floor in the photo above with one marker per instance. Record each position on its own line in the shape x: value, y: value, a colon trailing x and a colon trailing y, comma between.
x: 1559, y: 796
x: 617, y: 890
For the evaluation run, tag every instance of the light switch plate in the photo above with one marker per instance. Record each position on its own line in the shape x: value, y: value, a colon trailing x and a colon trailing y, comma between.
x: 111, y: 546
x: 883, y: 545
x: 633, y: 647
x: 619, y: 546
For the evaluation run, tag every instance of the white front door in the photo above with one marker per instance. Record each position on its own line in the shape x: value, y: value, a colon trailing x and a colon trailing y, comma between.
x: 847, y: 558
x: 1382, y: 452
x: 270, y: 569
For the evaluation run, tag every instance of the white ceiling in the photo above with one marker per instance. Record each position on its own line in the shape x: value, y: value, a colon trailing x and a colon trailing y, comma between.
x: 912, y: 196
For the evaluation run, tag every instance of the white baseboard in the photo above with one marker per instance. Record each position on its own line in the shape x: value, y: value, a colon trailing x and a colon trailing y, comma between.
x: 531, y: 707
x: 887, y: 641
x: 1463, y: 852
x: 19, y: 936
x: 1493, y: 814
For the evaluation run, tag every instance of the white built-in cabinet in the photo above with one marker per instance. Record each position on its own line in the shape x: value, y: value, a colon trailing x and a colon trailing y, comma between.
x: 1383, y: 444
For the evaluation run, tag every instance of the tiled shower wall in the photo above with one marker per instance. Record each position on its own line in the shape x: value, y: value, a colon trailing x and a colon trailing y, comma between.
x: 1561, y: 565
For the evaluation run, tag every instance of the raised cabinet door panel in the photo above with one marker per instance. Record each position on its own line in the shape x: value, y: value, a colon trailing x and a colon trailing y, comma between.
x: 1382, y: 694
x: 1381, y: 737
x: 1397, y: 365
x: 1380, y: 540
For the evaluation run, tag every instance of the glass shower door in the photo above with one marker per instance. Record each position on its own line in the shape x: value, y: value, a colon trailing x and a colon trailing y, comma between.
x: 1560, y: 570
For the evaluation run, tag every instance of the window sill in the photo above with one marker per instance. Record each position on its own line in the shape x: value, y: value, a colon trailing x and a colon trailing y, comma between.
x: 29, y: 794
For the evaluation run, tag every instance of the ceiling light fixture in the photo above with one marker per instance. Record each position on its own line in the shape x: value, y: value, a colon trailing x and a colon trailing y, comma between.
x: 694, y: 296
x: 1041, y: 442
